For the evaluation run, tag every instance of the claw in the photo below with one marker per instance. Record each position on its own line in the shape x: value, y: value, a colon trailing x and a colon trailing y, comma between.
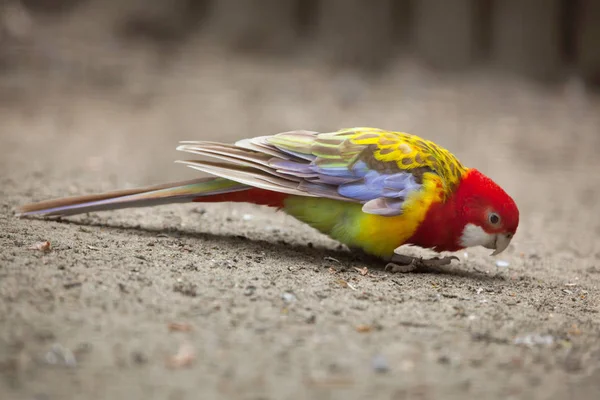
x: 403, y: 269
x: 402, y: 263
x: 438, y: 262
x: 403, y: 260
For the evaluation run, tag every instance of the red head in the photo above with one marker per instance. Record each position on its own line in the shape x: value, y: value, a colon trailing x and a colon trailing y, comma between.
x: 490, y: 216
x: 479, y: 213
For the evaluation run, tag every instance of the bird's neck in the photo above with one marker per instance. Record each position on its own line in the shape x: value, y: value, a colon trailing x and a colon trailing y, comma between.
x: 444, y: 222
x: 441, y: 229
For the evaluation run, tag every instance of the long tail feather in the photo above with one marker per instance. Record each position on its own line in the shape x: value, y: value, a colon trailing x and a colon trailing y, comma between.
x: 176, y: 192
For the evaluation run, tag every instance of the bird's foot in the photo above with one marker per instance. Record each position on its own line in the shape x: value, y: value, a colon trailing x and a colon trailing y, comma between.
x: 397, y: 268
x: 403, y: 264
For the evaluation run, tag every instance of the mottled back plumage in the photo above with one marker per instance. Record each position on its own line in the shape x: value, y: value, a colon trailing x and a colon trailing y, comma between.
x: 409, y: 153
x: 377, y: 168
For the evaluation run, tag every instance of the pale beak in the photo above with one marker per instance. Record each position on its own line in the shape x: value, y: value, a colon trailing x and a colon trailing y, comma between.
x: 501, y: 243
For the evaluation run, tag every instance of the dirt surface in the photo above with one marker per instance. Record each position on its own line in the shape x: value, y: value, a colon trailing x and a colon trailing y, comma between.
x: 264, y: 307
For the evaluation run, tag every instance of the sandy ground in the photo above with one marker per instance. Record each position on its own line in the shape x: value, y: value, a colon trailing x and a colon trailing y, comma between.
x: 259, y: 301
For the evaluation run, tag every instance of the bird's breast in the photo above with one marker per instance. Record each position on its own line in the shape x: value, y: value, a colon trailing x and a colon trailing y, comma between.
x: 347, y: 223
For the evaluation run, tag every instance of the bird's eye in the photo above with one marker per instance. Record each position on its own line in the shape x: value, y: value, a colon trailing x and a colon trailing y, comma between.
x: 494, y: 218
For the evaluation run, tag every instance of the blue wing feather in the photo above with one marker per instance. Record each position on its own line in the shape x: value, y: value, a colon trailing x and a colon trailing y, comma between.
x: 380, y: 192
x: 380, y: 185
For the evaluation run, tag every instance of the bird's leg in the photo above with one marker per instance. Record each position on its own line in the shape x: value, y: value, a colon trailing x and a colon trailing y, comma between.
x: 403, y: 263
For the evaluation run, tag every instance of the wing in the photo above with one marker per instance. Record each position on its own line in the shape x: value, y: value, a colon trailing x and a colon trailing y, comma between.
x: 376, y: 168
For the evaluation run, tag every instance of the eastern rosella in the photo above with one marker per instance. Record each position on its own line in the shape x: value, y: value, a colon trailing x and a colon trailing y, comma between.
x: 371, y: 189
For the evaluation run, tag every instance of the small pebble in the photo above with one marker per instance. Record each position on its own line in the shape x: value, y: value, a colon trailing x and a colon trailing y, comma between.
x: 41, y: 246
x: 380, y: 364
x: 533, y: 339
x: 139, y: 358
x: 249, y: 291
x: 60, y: 355
x: 444, y: 360
x: 185, y: 357
x: 502, y: 264
x: 288, y: 297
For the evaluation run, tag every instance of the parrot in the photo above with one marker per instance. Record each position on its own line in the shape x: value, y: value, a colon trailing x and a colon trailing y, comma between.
x: 376, y: 191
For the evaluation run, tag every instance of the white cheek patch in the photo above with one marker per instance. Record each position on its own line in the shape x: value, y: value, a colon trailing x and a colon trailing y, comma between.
x: 474, y: 235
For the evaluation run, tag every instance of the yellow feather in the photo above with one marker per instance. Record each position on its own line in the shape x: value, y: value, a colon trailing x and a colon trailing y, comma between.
x: 381, y: 235
x: 409, y: 151
x: 375, y: 234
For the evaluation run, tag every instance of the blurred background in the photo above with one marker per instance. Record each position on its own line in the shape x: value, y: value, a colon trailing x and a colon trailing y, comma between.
x: 108, y: 87
x: 544, y: 39
x: 96, y: 94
